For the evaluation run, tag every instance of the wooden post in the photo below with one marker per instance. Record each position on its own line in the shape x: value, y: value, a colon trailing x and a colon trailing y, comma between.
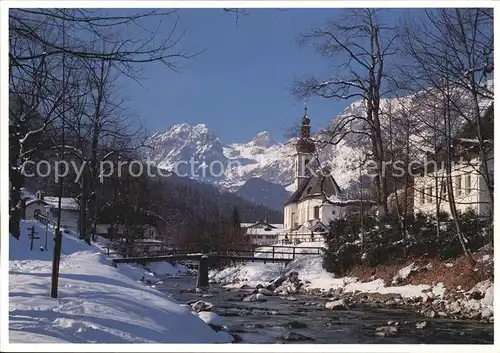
x: 293, y: 255
x: 46, y: 231
x: 202, y: 281
x: 273, y: 252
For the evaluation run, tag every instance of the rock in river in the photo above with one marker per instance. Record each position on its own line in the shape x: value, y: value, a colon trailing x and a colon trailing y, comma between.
x: 294, y: 336
x: 259, y: 297
x: 385, y: 331
x: 421, y: 325
x: 336, y: 305
x: 296, y: 325
x: 201, y: 305
x: 211, y: 318
x: 264, y: 291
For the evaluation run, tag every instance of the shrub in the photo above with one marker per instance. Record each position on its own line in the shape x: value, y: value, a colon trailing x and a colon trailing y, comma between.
x: 394, y: 240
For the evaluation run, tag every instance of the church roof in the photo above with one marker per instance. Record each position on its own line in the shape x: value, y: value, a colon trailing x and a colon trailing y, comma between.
x: 313, y: 187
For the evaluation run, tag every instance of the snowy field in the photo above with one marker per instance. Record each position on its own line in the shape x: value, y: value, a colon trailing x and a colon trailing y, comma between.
x: 97, y: 303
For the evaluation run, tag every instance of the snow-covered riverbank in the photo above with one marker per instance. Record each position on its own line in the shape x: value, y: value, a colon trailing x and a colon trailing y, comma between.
x: 97, y: 303
x: 432, y: 299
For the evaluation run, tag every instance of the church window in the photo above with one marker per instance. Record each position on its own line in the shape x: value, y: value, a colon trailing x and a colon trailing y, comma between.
x: 333, y: 212
x: 316, y: 212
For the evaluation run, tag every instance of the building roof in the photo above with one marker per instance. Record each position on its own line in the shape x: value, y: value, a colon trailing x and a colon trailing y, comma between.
x: 262, y: 231
x: 254, y: 224
x: 67, y: 203
x: 315, y: 186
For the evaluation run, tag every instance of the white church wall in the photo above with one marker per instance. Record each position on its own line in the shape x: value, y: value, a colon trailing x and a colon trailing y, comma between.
x: 290, y: 213
x: 305, y: 209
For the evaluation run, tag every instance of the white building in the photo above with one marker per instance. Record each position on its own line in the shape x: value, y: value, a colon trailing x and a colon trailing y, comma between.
x: 469, y: 186
x: 317, y: 199
x: 47, y: 206
x: 262, y: 233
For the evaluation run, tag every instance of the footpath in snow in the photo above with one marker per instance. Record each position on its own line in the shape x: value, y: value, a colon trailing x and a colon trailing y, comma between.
x: 97, y: 303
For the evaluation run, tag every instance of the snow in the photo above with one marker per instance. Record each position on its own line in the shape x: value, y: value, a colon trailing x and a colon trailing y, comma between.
x: 211, y: 318
x: 313, y: 275
x: 439, y: 289
x: 96, y: 302
x: 167, y: 269
x: 67, y: 203
x: 405, y: 272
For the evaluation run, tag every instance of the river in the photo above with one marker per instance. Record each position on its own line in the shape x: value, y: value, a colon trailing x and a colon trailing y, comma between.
x: 270, y: 321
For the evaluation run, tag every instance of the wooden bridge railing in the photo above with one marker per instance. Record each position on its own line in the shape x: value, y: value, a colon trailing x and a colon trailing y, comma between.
x: 275, y: 252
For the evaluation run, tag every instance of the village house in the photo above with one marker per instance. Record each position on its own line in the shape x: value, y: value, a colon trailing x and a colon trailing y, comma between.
x: 47, y: 206
x: 467, y: 173
x: 262, y: 233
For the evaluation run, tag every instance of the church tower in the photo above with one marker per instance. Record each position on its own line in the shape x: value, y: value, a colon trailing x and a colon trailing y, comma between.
x: 305, y: 151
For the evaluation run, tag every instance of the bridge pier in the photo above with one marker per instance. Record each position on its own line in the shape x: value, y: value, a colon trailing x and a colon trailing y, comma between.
x: 202, y: 281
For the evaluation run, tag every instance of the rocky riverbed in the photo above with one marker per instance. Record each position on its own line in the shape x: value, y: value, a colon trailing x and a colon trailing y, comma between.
x: 475, y: 304
x: 282, y: 312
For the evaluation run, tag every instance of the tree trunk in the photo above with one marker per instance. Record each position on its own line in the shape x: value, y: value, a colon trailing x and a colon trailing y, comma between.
x: 16, y: 181
x: 449, y: 183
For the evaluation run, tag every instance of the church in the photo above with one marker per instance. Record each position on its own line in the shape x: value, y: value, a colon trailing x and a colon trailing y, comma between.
x: 317, y: 198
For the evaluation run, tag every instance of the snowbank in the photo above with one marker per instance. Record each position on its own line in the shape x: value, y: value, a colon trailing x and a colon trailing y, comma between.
x: 475, y: 304
x: 312, y: 274
x: 97, y: 303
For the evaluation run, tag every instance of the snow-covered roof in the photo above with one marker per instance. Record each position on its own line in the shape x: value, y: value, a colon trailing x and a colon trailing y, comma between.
x: 35, y: 201
x: 315, y: 186
x: 255, y: 224
x: 246, y: 225
x: 264, y: 231
x: 67, y: 203
x: 26, y: 194
x: 338, y: 202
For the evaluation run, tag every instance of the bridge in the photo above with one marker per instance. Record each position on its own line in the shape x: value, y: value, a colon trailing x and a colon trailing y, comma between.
x: 174, y: 255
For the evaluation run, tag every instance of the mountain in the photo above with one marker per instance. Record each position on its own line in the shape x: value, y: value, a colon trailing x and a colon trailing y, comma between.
x: 185, y: 143
x: 261, y: 170
x: 261, y: 191
x: 231, y: 167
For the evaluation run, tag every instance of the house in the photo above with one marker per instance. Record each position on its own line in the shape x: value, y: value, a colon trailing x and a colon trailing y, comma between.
x: 48, y: 206
x: 125, y: 220
x: 317, y: 199
x: 469, y: 185
x: 262, y: 233
x: 105, y: 229
x: 470, y: 189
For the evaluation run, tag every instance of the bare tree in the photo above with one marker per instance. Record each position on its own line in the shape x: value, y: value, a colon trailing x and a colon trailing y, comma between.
x: 36, y: 92
x: 45, y: 43
x: 455, y: 46
x: 449, y: 59
x: 366, y: 45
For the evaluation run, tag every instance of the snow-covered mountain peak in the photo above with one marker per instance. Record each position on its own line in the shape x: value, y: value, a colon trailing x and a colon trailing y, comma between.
x: 262, y: 139
x: 262, y: 158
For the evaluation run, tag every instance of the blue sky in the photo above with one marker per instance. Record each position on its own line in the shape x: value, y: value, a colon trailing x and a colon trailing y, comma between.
x: 240, y: 85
